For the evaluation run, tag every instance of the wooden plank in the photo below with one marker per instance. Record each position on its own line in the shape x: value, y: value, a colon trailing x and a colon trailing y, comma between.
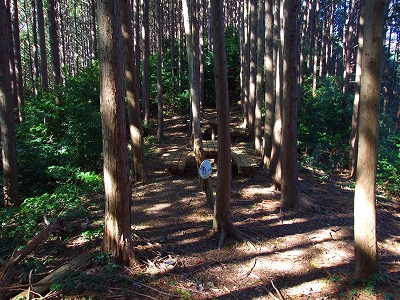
x: 210, y: 148
x: 182, y: 161
x: 175, y: 160
x: 245, y: 163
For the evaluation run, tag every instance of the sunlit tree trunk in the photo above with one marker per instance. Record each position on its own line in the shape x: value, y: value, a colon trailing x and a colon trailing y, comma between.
x: 291, y: 98
x: 354, y: 120
x: 275, y: 165
x: 245, y: 63
x: 132, y: 87
x: 259, y: 79
x: 366, y: 256
x: 195, y: 103
x: 269, y: 84
x: 8, y: 144
x: 252, y: 68
x: 317, y: 34
x: 117, y: 231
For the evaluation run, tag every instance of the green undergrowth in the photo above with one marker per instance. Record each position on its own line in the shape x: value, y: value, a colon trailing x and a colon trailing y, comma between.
x: 70, y: 201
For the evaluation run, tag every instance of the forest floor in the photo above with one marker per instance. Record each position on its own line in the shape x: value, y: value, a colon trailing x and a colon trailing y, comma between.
x: 299, y: 255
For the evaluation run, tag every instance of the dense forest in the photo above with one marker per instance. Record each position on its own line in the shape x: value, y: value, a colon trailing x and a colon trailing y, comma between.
x: 96, y: 94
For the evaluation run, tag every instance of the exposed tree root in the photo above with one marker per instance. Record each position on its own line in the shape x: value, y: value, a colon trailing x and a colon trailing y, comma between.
x: 228, y: 229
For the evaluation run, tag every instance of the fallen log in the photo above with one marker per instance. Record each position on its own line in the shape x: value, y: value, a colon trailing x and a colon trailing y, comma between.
x: 7, y: 272
x: 58, y: 275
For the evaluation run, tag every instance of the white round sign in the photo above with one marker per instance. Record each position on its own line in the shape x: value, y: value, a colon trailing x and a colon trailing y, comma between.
x: 205, y: 169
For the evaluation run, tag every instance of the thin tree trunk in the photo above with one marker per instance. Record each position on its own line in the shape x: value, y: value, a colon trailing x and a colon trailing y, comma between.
x: 291, y: 98
x: 42, y: 46
x: 195, y: 105
x: 222, y: 217
x: 259, y: 79
x: 160, y: 127
x: 269, y: 84
x: 18, y: 62
x: 275, y: 166
x: 146, y: 63
x: 132, y: 86
x: 253, y: 69
x: 54, y: 46
x: 354, y: 121
x: 8, y: 144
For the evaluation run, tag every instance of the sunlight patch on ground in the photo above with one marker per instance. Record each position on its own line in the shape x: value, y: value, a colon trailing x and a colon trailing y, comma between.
x: 252, y: 191
x: 309, y: 288
x: 158, y: 208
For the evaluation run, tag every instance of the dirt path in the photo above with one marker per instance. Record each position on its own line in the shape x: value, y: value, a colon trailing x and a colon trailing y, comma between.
x: 299, y: 255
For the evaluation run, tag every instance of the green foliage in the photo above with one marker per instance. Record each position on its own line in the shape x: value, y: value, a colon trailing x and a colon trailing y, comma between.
x: 388, y: 171
x: 176, y: 96
x: 324, y: 124
x: 21, y: 223
x: 60, y: 134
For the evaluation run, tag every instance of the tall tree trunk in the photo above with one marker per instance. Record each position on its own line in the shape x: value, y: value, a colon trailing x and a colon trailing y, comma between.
x: 117, y: 231
x: 222, y: 217
x: 291, y: 98
x: 160, y: 127
x: 253, y: 69
x: 348, y: 46
x: 36, y: 70
x: 245, y: 64
x: 54, y: 45
x: 275, y: 166
x: 366, y: 256
x: 259, y: 79
x: 269, y: 84
x: 354, y: 120
x: 132, y: 87
x: 8, y: 144
x: 146, y: 63
x: 315, y: 48
x: 18, y: 62
x: 195, y: 104
x: 42, y: 46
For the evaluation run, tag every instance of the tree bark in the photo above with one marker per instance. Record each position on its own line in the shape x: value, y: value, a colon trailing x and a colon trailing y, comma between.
x: 291, y: 99
x: 222, y: 218
x: 8, y: 144
x: 354, y: 120
x: 195, y: 105
x: 117, y: 232
x: 366, y: 256
x: 42, y: 46
x: 18, y: 62
x: 54, y: 45
x: 259, y: 79
x: 160, y: 127
x: 275, y: 166
x: 146, y: 63
x: 269, y: 84
x: 132, y: 87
